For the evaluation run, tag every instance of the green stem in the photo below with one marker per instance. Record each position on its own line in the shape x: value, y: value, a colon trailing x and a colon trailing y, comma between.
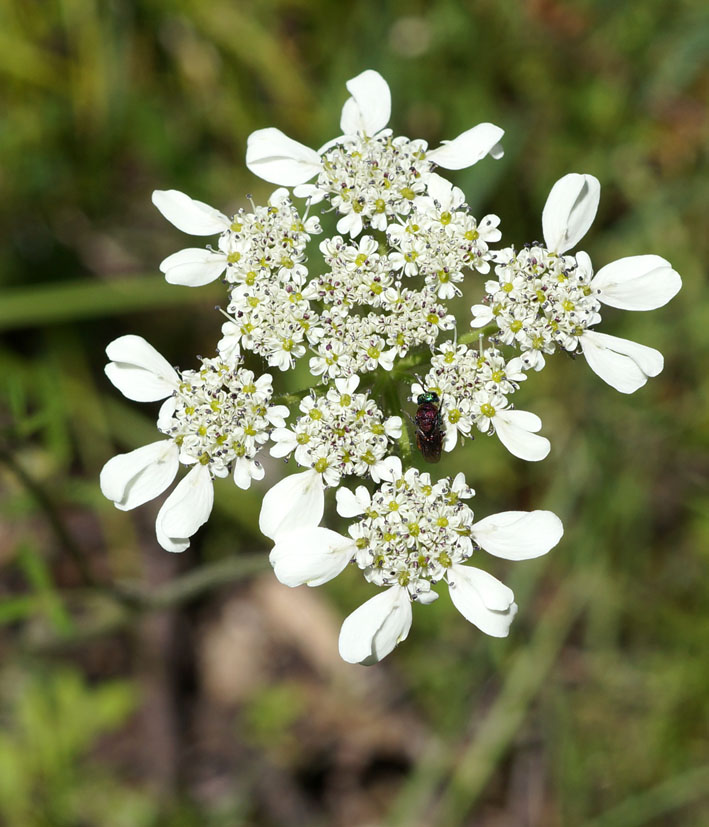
x: 391, y: 397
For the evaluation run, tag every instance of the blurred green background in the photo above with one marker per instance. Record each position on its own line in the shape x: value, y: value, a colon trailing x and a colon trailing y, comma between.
x: 139, y: 688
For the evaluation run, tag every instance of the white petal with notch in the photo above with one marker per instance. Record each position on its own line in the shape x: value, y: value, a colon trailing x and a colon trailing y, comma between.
x: 276, y: 158
x: 138, y: 371
x: 369, y: 109
x: 373, y: 630
x: 482, y: 599
x: 193, y: 267
x: 135, y: 478
x: 310, y: 556
x: 624, y: 365
x: 469, y: 147
x: 185, y: 510
x: 190, y: 216
x: 518, y: 535
x: 569, y: 210
x: 515, y: 430
x: 296, y: 501
x: 637, y: 283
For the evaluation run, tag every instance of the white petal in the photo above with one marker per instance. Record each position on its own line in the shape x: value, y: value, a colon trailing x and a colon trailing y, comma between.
x: 518, y: 535
x: 482, y: 315
x: 190, y: 216
x: 186, y: 509
x: 450, y: 439
x: 372, y: 631
x: 393, y: 426
x: 583, y: 264
x: 350, y: 223
x: 309, y: 191
x: 279, y: 159
x: 277, y: 415
x: 369, y: 108
x: 471, y: 592
x: 284, y: 440
x: 386, y: 359
x: 131, y: 479
x: 387, y: 469
x: 468, y: 148
x: 279, y: 196
x: 165, y: 414
x: 569, y: 210
x: 295, y: 502
x: 624, y: 365
x: 352, y: 503
x: 246, y: 470
x: 193, y: 267
x: 310, y: 555
x: 440, y: 189
x: 461, y: 487
x: 426, y: 598
x: 494, y: 594
x: 138, y: 370
x: 514, y: 430
x: 637, y: 283
x: 348, y: 385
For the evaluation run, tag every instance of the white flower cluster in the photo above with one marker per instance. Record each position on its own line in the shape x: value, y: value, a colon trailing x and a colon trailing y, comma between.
x: 406, y: 242
x: 543, y: 299
x: 473, y: 386
x: 216, y: 419
x: 351, y: 344
x: 262, y: 254
x: 339, y: 434
x: 219, y: 417
x: 441, y: 239
x: 413, y: 533
x: 539, y: 302
x: 371, y: 179
x: 412, y: 530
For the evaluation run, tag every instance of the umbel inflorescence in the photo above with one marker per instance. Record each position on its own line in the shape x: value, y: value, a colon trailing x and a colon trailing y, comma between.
x: 364, y: 309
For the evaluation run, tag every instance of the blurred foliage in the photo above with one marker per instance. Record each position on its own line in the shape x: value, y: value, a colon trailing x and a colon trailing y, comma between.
x: 595, y: 711
x: 45, y: 777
